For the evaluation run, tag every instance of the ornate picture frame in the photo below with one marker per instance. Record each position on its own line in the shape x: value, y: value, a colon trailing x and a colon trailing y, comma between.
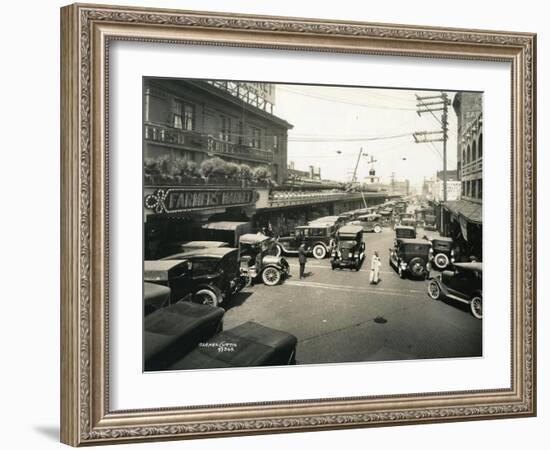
x: 86, y: 34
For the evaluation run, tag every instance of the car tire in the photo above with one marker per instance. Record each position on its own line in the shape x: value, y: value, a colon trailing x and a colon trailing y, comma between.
x: 271, y: 276
x: 416, y: 268
x: 476, y: 307
x: 319, y: 251
x: 207, y: 296
x: 434, y: 291
x: 377, y: 229
x: 441, y: 261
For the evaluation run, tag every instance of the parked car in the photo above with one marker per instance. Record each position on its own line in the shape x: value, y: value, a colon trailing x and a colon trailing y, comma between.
x: 190, y: 246
x: 260, y: 259
x: 443, y: 254
x: 246, y: 345
x: 155, y: 297
x: 172, y: 332
x: 405, y: 232
x: 369, y: 222
x: 411, y: 257
x: 407, y: 220
x: 429, y: 222
x: 463, y: 284
x: 334, y: 221
x: 206, y: 276
x: 349, y: 250
x: 317, y: 237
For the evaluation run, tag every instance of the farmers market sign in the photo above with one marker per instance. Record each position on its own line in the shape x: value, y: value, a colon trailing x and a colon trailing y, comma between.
x: 181, y: 200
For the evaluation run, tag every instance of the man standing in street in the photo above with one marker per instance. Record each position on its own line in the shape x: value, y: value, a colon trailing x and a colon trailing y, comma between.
x: 375, y: 268
x: 302, y: 258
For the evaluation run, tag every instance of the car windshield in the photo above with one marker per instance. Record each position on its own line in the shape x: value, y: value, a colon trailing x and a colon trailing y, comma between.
x: 347, y: 244
x: 416, y: 248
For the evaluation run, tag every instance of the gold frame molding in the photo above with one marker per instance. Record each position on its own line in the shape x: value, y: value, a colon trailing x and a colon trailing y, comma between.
x: 86, y: 31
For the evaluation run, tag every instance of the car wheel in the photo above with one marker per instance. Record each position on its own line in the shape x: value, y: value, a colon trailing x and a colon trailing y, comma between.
x: 207, y: 297
x: 441, y: 260
x: 476, y: 307
x: 377, y: 229
x: 319, y: 251
x: 247, y: 280
x: 416, y: 268
x: 271, y: 276
x: 434, y: 291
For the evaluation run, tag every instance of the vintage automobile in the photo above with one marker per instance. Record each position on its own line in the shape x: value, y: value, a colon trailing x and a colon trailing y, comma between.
x: 430, y: 222
x: 369, y: 222
x: 206, y: 276
x: 173, y: 331
x: 334, y: 221
x: 411, y: 257
x: 317, y: 237
x: 406, y: 232
x: 349, y: 250
x: 190, y: 246
x: 443, y: 254
x: 261, y: 259
x: 463, y: 284
x: 155, y: 297
x: 407, y: 220
x: 246, y: 345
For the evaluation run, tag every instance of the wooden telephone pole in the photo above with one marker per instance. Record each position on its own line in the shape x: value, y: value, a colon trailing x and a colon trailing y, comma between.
x: 441, y: 103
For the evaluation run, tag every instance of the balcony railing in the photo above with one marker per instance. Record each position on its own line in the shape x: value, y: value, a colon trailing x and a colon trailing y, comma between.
x: 227, y: 148
x: 213, y: 146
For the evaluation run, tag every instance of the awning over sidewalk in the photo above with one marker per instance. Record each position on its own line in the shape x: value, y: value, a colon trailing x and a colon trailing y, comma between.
x: 466, y: 209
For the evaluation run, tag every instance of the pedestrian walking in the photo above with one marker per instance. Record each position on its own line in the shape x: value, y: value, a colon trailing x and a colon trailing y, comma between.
x: 302, y: 258
x: 375, y: 268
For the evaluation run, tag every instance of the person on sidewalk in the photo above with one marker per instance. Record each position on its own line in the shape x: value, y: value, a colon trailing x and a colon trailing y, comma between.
x: 375, y: 268
x: 302, y: 258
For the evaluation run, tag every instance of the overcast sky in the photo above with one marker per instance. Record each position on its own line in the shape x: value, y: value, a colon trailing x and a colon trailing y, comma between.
x: 329, y: 119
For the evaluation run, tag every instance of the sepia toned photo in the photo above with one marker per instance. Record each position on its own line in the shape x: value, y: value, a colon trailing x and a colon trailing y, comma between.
x: 291, y: 224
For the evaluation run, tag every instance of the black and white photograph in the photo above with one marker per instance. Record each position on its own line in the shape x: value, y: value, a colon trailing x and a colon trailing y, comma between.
x: 294, y: 224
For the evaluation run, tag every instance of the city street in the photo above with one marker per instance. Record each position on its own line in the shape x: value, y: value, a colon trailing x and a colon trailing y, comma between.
x: 338, y: 316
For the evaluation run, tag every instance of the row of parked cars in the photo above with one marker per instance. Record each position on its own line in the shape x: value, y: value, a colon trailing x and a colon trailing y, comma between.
x: 458, y: 281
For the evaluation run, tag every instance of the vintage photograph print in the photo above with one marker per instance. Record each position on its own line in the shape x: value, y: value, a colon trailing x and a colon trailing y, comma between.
x: 308, y: 224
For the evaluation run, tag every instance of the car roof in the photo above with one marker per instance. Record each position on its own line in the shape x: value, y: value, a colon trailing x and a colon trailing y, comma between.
x: 442, y: 238
x: 415, y: 241
x: 404, y: 227
x: 316, y: 225
x: 213, y: 252
x: 251, y: 238
x: 205, y: 244
x: 160, y: 264
x: 470, y: 266
x: 350, y: 229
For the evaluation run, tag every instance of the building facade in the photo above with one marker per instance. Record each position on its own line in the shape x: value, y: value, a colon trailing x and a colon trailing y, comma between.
x: 469, y: 111
x: 194, y: 120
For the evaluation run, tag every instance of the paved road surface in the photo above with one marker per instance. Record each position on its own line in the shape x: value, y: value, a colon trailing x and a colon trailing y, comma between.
x: 339, y: 317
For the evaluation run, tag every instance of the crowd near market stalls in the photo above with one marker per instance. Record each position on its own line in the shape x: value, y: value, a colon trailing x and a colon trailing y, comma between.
x: 228, y: 215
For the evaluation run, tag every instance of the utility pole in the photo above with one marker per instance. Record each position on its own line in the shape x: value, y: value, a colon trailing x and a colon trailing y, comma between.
x: 354, y: 178
x: 441, y: 103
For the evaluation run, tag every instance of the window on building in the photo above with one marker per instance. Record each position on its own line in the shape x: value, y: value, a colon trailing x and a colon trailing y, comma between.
x: 275, y: 142
x: 241, y: 132
x: 255, y: 137
x: 469, y: 154
x: 480, y: 189
x: 225, y: 128
x: 183, y: 115
x: 474, y: 151
x: 464, y: 188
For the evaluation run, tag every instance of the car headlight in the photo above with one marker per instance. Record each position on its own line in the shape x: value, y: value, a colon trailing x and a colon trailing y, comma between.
x: 404, y: 265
